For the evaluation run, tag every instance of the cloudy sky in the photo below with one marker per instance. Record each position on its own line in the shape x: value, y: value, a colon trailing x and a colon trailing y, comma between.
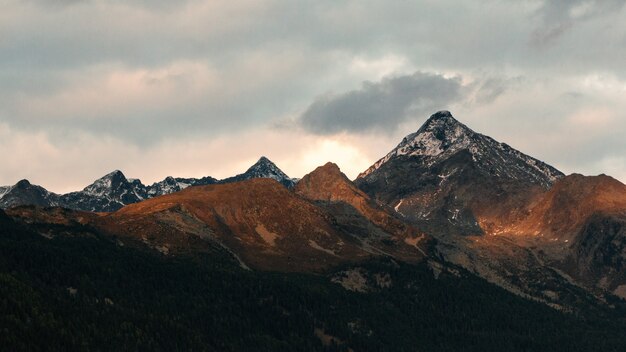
x: 196, y: 88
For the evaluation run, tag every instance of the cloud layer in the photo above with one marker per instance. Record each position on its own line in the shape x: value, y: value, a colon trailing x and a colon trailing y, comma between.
x: 133, y: 83
x: 381, y: 105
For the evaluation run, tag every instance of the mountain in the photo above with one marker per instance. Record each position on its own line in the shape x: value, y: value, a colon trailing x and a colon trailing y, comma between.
x: 263, y: 168
x: 509, y: 218
x: 174, y: 184
x: 108, y: 193
x: 444, y: 195
x: 580, y: 227
x: 266, y: 226
x: 447, y: 177
x: 260, y: 221
x: 415, y: 252
x: 353, y: 209
x: 24, y: 192
x: 113, y: 191
x: 560, y: 213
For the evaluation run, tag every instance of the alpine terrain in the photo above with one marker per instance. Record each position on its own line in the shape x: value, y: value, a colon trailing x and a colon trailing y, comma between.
x: 506, y: 216
x: 452, y: 241
x: 113, y: 191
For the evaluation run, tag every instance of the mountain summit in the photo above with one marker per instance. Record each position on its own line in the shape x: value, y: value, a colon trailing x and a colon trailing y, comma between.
x: 263, y: 168
x: 448, y: 174
x: 442, y: 136
x: 108, y: 193
x: 23, y: 192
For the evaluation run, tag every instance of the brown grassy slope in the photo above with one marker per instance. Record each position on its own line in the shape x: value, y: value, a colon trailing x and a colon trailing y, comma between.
x: 266, y: 225
x: 329, y: 185
x: 563, y: 210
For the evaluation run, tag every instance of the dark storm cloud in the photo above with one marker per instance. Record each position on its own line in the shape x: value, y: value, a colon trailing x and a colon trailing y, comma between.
x: 381, y: 105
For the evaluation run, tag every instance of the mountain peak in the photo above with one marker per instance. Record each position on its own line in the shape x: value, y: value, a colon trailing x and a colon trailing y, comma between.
x: 327, y: 173
x: 23, y: 184
x: 263, y: 168
x: 442, y: 137
x: 328, y: 183
x: 441, y: 115
x: 440, y: 134
x: 114, y: 175
x: 264, y: 160
x: 103, y: 185
x: 443, y: 126
x: 330, y: 167
x: 25, y: 193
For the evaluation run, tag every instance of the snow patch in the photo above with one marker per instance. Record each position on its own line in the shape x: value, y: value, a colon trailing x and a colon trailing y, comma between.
x: 397, y: 207
x: 442, y: 136
x: 4, y: 190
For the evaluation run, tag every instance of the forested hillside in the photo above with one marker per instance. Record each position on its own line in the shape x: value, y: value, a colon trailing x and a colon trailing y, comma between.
x: 82, y: 291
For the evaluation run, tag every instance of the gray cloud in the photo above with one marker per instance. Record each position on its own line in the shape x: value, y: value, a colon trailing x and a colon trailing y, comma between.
x: 144, y: 73
x: 486, y: 90
x: 559, y: 16
x: 381, y: 105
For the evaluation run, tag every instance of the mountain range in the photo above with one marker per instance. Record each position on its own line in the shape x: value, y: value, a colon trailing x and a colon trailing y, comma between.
x: 446, y: 198
x: 113, y: 191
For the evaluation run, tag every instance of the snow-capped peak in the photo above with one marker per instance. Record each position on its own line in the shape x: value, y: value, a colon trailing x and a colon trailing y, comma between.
x: 264, y: 167
x: 167, y: 186
x: 105, y: 184
x: 442, y: 136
